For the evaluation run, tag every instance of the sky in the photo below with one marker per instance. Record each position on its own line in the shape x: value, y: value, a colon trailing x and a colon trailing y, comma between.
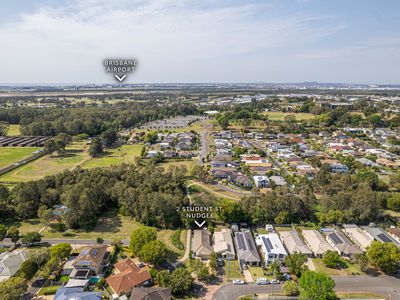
x: 66, y: 41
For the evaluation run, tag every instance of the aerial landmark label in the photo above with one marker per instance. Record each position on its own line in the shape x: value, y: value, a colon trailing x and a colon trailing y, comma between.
x: 120, y: 67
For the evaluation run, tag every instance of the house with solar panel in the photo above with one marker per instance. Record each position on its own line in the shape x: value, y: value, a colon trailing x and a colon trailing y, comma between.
x: 316, y: 242
x: 90, y: 262
x: 246, y: 249
x: 380, y: 235
x: 272, y: 247
x: 341, y: 243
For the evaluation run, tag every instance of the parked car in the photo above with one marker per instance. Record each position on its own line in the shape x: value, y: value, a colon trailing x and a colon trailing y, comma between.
x: 220, y: 262
x: 275, y: 281
x: 238, y: 282
x: 262, y: 281
x: 287, y: 276
x: 243, y: 265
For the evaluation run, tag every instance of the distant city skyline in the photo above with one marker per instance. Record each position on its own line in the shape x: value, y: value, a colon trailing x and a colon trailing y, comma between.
x: 272, y: 41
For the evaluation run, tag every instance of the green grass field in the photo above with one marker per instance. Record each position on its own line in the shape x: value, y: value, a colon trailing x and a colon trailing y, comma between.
x: 189, y: 164
x: 349, y: 269
x: 359, y: 296
x: 232, y: 270
x: 280, y: 116
x: 13, y: 130
x: 25, y: 226
x: 48, y: 165
x: 11, y: 155
x: 115, y: 156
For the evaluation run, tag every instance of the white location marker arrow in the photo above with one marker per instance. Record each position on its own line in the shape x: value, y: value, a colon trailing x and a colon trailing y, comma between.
x: 200, y: 224
x: 120, y: 78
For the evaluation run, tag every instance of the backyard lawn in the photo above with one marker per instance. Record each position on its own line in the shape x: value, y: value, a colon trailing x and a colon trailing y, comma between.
x: 13, y: 130
x: 11, y: 155
x: 48, y: 165
x: 115, y: 156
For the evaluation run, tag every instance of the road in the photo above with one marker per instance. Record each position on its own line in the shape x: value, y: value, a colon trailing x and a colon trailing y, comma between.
x: 384, y: 285
x: 204, y: 143
x: 233, y: 292
x: 188, y: 242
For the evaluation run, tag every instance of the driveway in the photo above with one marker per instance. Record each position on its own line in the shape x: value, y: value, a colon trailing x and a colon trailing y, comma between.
x: 247, y: 276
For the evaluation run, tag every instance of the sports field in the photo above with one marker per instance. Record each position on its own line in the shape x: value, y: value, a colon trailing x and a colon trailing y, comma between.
x: 115, y: 156
x: 11, y: 155
x: 48, y: 165
x: 13, y: 130
x: 280, y: 116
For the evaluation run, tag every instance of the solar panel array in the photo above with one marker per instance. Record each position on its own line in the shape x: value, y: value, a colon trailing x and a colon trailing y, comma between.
x: 267, y: 243
x: 335, y: 238
x: 94, y: 252
x: 241, y: 243
x: 384, y: 238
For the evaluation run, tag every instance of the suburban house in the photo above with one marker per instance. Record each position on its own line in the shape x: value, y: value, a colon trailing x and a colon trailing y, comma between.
x: 223, y: 244
x: 241, y: 180
x: 128, y: 276
x: 341, y: 244
x: 246, y: 249
x: 272, y: 247
x: 293, y: 243
x: 361, y: 238
x: 77, y: 293
x: 339, y: 168
x: 261, y: 181
x: 10, y: 263
x: 153, y: 293
x: 201, y: 244
x: 316, y: 242
x: 395, y: 233
x: 89, y: 262
x: 380, y: 235
x: 278, y: 180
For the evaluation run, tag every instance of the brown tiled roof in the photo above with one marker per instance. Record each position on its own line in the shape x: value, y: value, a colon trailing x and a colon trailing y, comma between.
x: 127, y: 276
x: 395, y: 232
x: 90, y: 256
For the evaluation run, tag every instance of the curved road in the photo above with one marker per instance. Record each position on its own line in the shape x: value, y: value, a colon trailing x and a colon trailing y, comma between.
x: 384, y: 285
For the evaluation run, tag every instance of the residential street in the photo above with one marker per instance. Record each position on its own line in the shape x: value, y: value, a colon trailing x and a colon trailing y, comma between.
x: 385, y: 285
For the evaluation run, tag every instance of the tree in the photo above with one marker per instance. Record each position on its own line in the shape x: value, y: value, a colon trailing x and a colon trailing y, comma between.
x: 141, y: 237
x: 163, y: 278
x: 203, y: 274
x: 394, y: 180
x: 31, y: 237
x: 99, y: 240
x: 109, y: 137
x: 231, y: 212
x: 39, y: 256
x: 96, y: 147
x: 151, y: 137
x: 50, y: 147
x: 385, y: 256
x: 3, y: 231
x: 362, y: 260
x: 154, y: 252
x: 393, y: 202
x: 13, y: 288
x: 60, y: 251
x: 28, y: 269
x: 295, y: 262
x: 275, y: 268
x: 213, y: 261
x: 331, y: 259
x: 290, y: 288
x: 45, y: 215
x: 180, y: 281
x: 13, y: 234
x: 316, y: 286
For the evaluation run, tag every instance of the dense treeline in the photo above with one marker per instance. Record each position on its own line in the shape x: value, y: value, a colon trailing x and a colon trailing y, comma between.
x: 90, y: 120
x: 148, y: 194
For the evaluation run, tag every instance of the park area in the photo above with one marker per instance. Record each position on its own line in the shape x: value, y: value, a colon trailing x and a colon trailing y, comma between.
x: 48, y: 165
x: 115, y: 156
x: 13, y: 130
x: 280, y: 116
x: 11, y: 155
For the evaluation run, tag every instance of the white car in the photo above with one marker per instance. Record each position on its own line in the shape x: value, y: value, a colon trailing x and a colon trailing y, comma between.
x: 274, y: 281
x: 262, y: 281
x: 238, y: 282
